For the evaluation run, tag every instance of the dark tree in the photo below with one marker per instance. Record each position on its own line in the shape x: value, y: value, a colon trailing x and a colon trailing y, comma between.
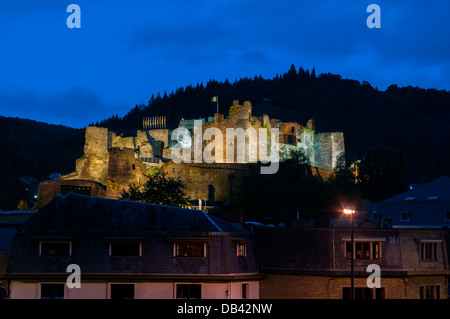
x: 383, y: 173
x: 294, y: 185
x: 344, y: 185
x: 159, y: 189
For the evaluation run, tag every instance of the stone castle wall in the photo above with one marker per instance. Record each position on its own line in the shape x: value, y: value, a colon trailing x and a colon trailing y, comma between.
x: 227, y: 139
x: 211, y: 182
x: 93, y: 165
x: 118, y: 161
x: 327, y: 149
x: 124, y: 169
x: 113, y: 160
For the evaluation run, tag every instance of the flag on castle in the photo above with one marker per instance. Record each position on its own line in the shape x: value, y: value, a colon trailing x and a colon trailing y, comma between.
x: 216, y: 99
x: 154, y: 122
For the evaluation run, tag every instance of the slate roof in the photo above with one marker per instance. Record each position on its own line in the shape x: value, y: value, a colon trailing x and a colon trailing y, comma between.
x: 427, y: 206
x: 6, y: 236
x: 438, y: 187
x: 87, y: 213
x: 9, y: 220
x: 15, y: 218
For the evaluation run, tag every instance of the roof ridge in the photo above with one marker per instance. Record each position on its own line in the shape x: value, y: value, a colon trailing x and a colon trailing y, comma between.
x: 212, y: 222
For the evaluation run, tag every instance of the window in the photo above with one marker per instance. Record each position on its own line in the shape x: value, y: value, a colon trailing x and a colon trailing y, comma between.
x: 241, y: 250
x: 122, y: 291
x: 375, y: 250
x: 211, y: 194
x: 125, y: 249
x: 405, y: 216
x: 291, y: 139
x: 189, y: 291
x: 83, y: 190
x: 133, y: 166
x: 52, y: 291
x: 189, y: 250
x: 428, y: 250
x: 363, y: 250
x: 244, y: 294
x: 430, y: 292
x: 55, y: 249
x: 3, y: 293
x: 364, y: 293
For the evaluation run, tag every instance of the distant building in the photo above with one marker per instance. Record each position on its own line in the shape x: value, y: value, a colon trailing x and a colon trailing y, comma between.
x: 130, y: 250
x: 425, y: 206
x: 315, y: 263
x: 9, y: 222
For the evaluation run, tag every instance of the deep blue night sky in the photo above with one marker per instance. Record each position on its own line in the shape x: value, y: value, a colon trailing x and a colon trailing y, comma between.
x: 126, y: 51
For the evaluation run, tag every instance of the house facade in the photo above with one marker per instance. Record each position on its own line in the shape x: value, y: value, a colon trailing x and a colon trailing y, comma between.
x: 426, y: 206
x: 315, y: 263
x: 129, y: 250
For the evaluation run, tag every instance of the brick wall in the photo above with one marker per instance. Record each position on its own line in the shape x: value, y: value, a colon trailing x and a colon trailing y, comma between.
x: 277, y: 286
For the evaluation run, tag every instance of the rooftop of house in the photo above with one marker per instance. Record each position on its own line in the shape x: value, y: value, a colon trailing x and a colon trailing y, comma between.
x: 426, y: 206
x: 90, y: 224
x: 436, y: 190
x: 9, y: 221
x: 75, y: 212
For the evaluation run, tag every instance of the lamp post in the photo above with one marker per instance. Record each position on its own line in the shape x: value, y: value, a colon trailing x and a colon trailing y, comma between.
x: 349, y: 211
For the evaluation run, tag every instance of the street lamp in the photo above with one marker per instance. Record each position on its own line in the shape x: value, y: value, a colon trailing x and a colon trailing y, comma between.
x: 349, y: 211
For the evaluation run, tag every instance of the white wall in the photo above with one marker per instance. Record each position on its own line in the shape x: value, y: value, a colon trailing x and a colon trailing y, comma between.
x: 214, y: 290
x: 163, y: 290
x: 21, y: 290
x: 155, y: 290
x: 253, y: 290
x: 87, y: 291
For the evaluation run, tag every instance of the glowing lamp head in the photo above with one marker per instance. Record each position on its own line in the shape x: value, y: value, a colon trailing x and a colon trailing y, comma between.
x: 349, y: 211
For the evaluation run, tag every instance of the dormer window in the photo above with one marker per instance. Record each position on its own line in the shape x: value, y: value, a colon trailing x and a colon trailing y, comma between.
x: 241, y: 250
x: 125, y: 249
x: 190, y: 250
x: 240, y: 246
x: 367, y: 248
x: 189, y: 247
x: 55, y: 248
x: 124, y: 246
x: 429, y: 248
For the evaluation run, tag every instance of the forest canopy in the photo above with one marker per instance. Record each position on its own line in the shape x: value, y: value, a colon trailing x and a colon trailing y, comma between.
x: 411, y: 119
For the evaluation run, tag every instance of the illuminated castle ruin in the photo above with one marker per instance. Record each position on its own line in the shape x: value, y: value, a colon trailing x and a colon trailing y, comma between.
x: 112, y: 162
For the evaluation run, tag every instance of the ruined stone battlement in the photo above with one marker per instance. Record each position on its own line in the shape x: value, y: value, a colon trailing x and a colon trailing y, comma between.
x: 322, y: 150
x: 118, y: 161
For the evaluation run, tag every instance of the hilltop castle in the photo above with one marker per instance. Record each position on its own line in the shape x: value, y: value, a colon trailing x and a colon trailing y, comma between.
x: 112, y: 162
